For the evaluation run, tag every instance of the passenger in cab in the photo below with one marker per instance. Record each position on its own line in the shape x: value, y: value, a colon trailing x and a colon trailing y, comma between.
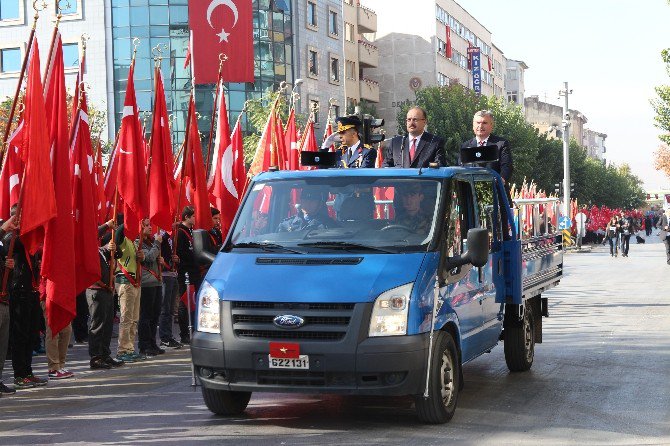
x: 410, y: 213
x: 312, y: 213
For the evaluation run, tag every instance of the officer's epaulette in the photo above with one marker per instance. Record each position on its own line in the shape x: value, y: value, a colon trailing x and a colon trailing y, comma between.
x: 367, y: 146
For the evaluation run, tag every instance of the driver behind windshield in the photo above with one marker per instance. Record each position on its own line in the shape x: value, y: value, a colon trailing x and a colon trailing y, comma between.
x: 312, y: 213
x: 410, y: 213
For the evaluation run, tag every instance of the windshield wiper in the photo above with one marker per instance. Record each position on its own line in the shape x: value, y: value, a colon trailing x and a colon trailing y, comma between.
x: 346, y: 246
x: 265, y: 246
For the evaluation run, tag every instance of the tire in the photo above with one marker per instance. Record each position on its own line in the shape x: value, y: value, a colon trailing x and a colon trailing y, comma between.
x: 519, y: 341
x: 444, y: 385
x: 225, y: 402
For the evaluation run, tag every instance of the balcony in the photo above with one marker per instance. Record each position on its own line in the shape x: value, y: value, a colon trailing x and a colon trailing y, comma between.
x: 367, y: 20
x: 369, y: 90
x: 368, y: 54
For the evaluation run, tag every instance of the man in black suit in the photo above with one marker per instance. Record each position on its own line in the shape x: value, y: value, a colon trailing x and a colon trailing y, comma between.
x: 417, y: 149
x: 482, y: 124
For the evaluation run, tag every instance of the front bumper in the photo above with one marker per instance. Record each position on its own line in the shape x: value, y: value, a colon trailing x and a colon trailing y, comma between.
x: 356, y: 364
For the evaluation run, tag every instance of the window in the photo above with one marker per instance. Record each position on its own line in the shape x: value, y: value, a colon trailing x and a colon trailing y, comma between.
x: 10, y: 60
x: 68, y: 7
x: 336, y: 111
x: 460, y: 217
x: 314, y: 105
x: 442, y: 80
x: 511, y: 96
x: 71, y: 55
x: 511, y: 74
x: 349, y: 32
x: 334, y: 66
x: 349, y: 2
x: 312, y: 63
x: 10, y: 10
x: 311, y: 15
x: 442, y: 48
x: 332, y: 23
x: 351, y: 70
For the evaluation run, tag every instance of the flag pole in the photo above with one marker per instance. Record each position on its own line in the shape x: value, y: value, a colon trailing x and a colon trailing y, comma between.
x: 219, y: 83
x: 22, y: 74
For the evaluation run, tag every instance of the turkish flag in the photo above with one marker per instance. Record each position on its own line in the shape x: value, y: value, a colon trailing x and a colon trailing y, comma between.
x: 38, y: 202
x: 216, y: 177
x: 194, y: 172
x: 229, y: 189
x: 308, y: 141
x: 109, y: 185
x: 84, y: 201
x: 291, y: 142
x: 221, y: 26
x: 162, y: 204
x: 99, y: 187
x: 448, y: 50
x: 11, y: 173
x: 261, y: 161
x: 131, y: 179
x: 284, y: 350
x: 58, y: 260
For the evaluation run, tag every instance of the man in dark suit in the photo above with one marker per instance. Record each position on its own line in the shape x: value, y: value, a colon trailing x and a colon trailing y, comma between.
x: 416, y: 149
x: 482, y: 124
x: 353, y: 152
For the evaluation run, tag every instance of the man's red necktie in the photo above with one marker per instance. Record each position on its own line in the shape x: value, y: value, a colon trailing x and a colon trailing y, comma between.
x: 412, y: 149
x: 481, y: 143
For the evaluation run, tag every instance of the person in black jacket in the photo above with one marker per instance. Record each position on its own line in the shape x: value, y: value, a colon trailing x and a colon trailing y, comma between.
x: 215, y: 233
x: 186, y: 264
x: 483, y: 124
x: 418, y: 148
x: 6, y: 226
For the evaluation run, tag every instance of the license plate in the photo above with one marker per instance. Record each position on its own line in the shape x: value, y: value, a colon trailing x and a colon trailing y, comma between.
x: 301, y: 362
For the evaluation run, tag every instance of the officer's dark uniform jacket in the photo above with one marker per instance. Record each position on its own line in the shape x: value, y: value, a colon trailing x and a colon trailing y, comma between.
x: 104, y: 255
x: 363, y: 156
x: 321, y: 220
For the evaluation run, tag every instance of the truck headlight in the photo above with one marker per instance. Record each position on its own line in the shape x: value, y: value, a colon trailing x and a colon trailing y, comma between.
x: 389, y: 314
x: 208, y: 309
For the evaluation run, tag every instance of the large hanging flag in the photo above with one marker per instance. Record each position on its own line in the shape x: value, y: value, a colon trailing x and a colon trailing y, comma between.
x: 109, y: 184
x: 131, y: 179
x: 162, y: 205
x: 77, y: 88
x: 58, y: 259
x: 12, y: 172
x: 84, y: 201
x: 217, y: 178
x: 448, y: 49
x: 194, y: 173
x: 221, y: 26
x: 38, y: 203
x: 291, y: 142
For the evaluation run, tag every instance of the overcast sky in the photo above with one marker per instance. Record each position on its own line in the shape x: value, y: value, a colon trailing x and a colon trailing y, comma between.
x: 608, y: 51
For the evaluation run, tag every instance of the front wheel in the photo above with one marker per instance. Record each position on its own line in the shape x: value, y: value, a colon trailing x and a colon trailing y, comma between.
x: 519, y: 342
x: 444, y: 382
x: 225, y: 402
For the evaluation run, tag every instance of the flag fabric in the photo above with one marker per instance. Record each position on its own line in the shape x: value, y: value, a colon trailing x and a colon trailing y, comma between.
x: 309, y: 141
x: 76, y: 92
x: 58, y: 258
x: 194, y: 172
x: 233, y: 178
x: 162, y: 205
x: 216, y: 178
x: 109, y: 184
x: 12, y: 172
x: 448, y: 52
x: 291, y: 142
x: 261, y: 160
x: 84, y: 201
x: 327, y: 133
x: 99, y: 187
x: 490, y: 62
x: 38, y: 204
x: 279, y: 144
x: 221, y: 27
x: 131, y: 174
x: 187, y: 61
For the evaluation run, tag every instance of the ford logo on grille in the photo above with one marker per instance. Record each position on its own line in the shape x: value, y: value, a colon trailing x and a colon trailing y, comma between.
x: 288, y: 321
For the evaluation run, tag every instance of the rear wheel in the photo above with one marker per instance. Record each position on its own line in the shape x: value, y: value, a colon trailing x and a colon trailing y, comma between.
x: 444, y: 384
x: 225, y: 402
x: 519, y: 341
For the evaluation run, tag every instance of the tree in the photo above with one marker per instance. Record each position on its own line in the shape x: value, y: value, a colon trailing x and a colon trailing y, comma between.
x: 662, y: 159
x: 662, y: 104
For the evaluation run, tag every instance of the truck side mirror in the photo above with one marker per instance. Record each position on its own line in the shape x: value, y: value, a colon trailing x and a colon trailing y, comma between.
x: 478, y: 247
x: 202, y: 247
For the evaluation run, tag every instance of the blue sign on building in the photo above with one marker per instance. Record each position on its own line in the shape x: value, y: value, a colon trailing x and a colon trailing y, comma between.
x: 476, y: 64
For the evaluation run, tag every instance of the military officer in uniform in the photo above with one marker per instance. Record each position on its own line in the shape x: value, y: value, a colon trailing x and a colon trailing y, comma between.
x: 410, y: 213
x: 352, y: 152
x: 312, y: 213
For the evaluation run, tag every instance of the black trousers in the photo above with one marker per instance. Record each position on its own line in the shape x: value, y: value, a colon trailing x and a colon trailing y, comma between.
x: 150, y: 309
x: 80, y: 322
x: 24, y: 308
x: 101, y: 309
x: 625, y: 243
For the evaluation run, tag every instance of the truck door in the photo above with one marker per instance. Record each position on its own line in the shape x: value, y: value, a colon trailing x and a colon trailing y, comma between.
x: 464, y: 288
x: 490, y: 275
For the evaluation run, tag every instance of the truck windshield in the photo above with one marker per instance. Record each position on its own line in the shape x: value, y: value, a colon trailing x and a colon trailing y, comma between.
x: 375, y: 215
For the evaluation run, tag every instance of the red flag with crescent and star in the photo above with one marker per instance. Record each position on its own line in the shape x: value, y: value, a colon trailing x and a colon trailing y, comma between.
x: 221, y: 26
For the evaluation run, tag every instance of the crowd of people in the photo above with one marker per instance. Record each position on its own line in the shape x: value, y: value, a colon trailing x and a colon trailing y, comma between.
x: 146, y: 279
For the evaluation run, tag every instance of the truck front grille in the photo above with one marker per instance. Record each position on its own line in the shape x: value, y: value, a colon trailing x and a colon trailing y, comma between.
x: 322, y: 322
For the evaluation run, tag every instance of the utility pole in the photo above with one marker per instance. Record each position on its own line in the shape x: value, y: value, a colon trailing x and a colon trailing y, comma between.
x: 566, y: 151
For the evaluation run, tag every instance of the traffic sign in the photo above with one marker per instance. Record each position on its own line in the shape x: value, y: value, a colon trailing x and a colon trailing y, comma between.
x: 564, y: 223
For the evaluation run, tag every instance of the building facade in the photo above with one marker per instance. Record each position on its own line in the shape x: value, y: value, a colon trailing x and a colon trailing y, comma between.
x: 514, y: 83
x: 319, y: 58
x: 548, y: 118
x: 594, y: 143
x: 416, y: 57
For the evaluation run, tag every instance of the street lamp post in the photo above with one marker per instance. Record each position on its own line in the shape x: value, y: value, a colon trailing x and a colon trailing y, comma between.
x: 566, y: 151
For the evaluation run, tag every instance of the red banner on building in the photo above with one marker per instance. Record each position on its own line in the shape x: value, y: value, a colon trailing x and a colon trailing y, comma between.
x: 221, y: 26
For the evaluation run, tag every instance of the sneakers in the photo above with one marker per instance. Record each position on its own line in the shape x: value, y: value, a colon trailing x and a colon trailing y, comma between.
x: 37, y: 381
x: 138, y: 356
x: 171, y: 343
x: 113, y: 362
x: 60, y: 374
x: 6, y: 390
x: 23, y: 383
x: 126, y: 357
x: 100, y: 363
x: 186, y: 341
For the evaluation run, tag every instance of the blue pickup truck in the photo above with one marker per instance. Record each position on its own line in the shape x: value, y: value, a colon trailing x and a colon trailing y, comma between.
x: 371, y: 282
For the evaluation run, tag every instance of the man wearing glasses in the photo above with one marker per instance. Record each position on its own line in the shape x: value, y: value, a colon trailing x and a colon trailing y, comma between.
x: 416, y: 149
